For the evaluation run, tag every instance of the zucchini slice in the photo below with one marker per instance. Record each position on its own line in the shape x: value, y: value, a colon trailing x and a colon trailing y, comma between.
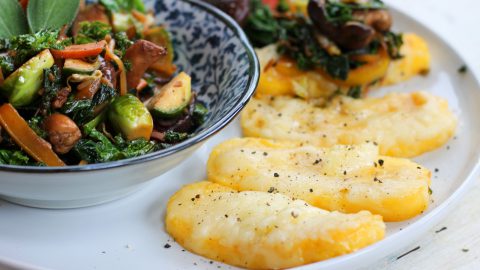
x: 77, y: 66
x: 172, y: 98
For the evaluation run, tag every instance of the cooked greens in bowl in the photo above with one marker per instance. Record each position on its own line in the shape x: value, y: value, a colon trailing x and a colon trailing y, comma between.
x: 209, y: 47
x: 93, y: 86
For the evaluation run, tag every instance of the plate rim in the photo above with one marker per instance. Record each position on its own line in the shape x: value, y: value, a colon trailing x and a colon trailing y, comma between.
x: 428, y: 220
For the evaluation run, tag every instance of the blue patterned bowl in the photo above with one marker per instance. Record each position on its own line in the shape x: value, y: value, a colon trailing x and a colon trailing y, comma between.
x: 210, y: 47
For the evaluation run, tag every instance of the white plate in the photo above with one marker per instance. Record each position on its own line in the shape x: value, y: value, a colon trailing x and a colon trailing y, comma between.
x: 129, y: 233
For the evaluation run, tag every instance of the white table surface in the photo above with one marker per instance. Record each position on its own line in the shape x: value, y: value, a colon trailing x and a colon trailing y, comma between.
x: 455, y: 242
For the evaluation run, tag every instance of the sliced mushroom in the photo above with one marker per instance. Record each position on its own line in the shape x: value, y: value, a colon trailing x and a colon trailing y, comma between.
x: 142, y: 54
x: 62, y: 132
x: 379, y: 19
x: 238, y: 9
x: 61, y: 98
x: 355, y: 34
x: 108, y: 71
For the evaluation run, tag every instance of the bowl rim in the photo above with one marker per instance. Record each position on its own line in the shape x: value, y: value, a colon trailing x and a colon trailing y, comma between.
x: 254, y: 75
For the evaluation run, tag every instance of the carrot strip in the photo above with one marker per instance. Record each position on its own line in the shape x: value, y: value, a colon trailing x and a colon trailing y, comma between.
x: 26, y: 138
x: 123, y: 72
x: 80, y: 51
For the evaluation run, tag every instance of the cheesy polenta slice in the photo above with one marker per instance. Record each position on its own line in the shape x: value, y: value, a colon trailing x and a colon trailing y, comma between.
x: 263, y: 230
x: 415, y: 61
x: 402, y: 124
x: 340, y: 178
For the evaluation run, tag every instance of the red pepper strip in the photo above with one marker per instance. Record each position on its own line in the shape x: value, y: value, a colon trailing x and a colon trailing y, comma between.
x: 80, y: 51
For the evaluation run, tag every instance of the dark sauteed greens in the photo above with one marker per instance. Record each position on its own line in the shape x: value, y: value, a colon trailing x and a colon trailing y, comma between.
x: 100, y: 88
x: 336, y: 36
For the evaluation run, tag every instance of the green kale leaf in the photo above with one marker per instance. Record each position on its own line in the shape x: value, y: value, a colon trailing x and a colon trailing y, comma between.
x: 6, y: 65
x: 82, y: 111
x: 28, y: 45
x: 199, y: 114
x: 51, y: 85
x: 14, y: 157
x: 122, y: 43
x: 92, y: 31
x: 394, y: 43
x: 97, y: 148
x: 35, y: 124
x: 175, y: 137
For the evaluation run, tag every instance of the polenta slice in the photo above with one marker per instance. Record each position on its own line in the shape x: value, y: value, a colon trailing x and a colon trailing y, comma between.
x: 340, y: 178
x: 262, y: 230
x: 402, y: 124
x: 415, y: 61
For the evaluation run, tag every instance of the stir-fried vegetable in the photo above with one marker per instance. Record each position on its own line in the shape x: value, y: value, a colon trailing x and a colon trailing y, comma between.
x: 28, y: 45
x: 80, y: 51
x: 334, y: 33
x: 84, y: 110
x: 22, y: 86
x: 67, y: 86
x: 92, y: 31
x: 51, y: 86
x: 130, y: 117
x: 14, y: 157
x: 173, y: 98
x: 26, y: 138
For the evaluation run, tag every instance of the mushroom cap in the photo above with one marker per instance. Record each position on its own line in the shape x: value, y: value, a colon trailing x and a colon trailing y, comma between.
x: 352, y: 35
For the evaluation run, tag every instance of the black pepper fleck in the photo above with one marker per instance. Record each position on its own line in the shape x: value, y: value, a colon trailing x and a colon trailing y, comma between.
x: 311, y: 190
x: 271, y: 189
x: 276, y: 175
x: 437, y: 170
x: 405, y: 254
x: 380, y: 162
x: 167, y: 245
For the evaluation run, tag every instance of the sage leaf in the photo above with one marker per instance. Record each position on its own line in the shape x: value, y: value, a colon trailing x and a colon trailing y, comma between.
x: 51, y: 14
x: 12, y: 19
